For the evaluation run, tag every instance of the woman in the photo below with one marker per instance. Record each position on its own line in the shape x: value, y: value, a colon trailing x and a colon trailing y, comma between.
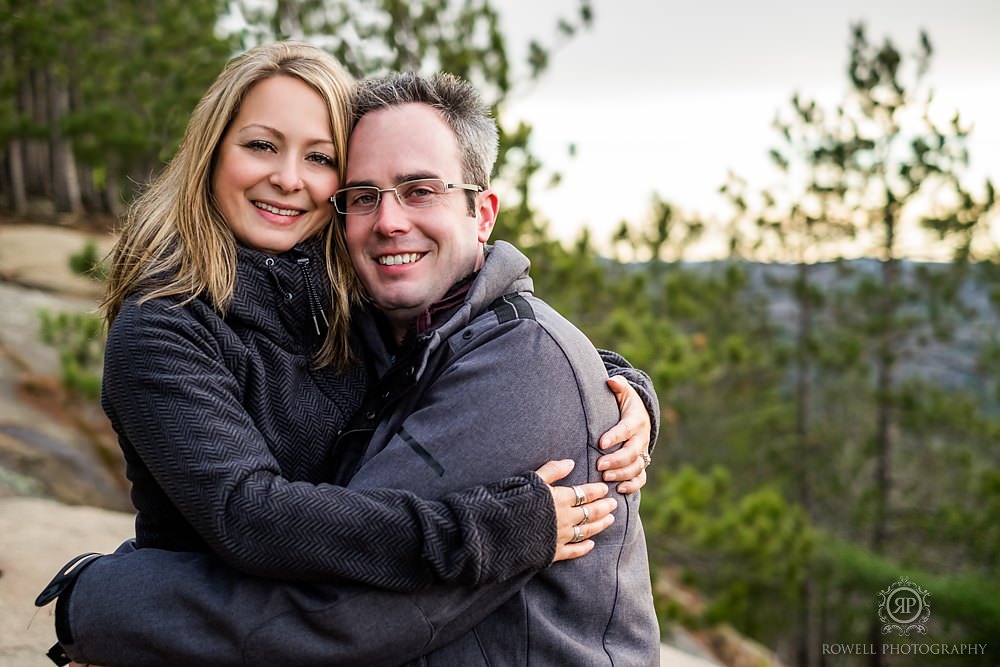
x: 230, y: 372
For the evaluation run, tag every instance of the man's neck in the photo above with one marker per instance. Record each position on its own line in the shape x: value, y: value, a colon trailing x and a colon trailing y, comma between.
x: 399, y: 329
x: 403, y: 326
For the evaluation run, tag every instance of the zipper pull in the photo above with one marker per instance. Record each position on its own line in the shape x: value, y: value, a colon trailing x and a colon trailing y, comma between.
x: 269, y: 263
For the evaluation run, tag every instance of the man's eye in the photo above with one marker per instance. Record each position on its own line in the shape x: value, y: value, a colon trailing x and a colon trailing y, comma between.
x: 362, y: 199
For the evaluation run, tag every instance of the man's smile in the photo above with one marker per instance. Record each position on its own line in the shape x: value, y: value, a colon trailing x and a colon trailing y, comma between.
x: 403, y: 258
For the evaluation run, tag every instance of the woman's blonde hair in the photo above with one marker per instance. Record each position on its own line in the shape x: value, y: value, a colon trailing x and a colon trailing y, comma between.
x: 175, y: 241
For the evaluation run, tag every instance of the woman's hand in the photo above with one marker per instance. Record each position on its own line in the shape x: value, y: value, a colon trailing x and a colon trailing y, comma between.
x: 576, y: 522
x: 627, y: 464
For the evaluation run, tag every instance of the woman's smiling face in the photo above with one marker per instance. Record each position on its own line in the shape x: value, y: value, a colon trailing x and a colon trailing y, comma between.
x: 276, y: 167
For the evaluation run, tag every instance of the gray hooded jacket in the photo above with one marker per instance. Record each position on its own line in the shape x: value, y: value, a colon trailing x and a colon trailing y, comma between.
x: 503, y: 384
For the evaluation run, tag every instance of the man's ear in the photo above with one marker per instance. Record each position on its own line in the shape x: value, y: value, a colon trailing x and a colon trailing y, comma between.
x: 487, y: 208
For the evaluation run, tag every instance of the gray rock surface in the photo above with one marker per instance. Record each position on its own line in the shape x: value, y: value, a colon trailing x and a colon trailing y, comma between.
x: 52, y: 444
x: 37, y: 537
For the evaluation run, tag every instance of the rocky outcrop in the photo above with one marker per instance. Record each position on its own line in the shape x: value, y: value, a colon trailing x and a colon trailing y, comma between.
x: 52, y: 444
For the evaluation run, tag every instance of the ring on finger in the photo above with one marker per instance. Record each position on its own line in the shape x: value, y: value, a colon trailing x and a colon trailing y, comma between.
x: 581, y: 497
x: 586, y: 516
x: 577, y: 535
x: 646, y: 459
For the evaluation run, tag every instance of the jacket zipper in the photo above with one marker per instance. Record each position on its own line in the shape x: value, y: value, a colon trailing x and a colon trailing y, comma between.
x: 312, y: 297
x: 315, y: 305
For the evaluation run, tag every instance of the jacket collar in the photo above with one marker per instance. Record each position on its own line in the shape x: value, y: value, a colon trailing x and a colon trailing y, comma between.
x: 287, y: 295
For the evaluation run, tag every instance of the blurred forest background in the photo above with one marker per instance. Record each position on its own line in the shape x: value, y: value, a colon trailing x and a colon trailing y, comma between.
x: 830, y: 424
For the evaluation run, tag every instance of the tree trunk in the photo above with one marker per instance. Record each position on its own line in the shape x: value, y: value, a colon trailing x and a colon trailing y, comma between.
x: 64, y: 172
x: 15, y: 168
x: 38, y: 178
x: 885, y: 383
x: 807, y: 640
x: 884, y: 390
x: 113, y: 194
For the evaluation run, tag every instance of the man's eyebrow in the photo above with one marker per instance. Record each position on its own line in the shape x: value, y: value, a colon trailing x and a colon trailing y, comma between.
x: 400, y: 178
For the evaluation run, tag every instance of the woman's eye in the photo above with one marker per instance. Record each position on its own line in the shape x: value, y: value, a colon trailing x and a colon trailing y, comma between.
x: 260, y: 145
x: 319, y: 158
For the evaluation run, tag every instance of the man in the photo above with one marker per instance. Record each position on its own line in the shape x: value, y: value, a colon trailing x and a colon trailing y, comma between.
x: 479, y: 379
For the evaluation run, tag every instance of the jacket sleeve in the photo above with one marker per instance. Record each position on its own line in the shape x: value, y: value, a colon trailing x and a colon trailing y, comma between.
x: 616, y: 364
x: 195, y: 610
x: 180, y: 407
x: 484, y: 416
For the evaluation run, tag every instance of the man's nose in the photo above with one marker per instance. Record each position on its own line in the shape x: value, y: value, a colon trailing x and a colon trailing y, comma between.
x: 390, y: 217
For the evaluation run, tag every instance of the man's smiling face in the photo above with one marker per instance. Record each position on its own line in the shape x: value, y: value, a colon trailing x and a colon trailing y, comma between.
x: 408, y: 258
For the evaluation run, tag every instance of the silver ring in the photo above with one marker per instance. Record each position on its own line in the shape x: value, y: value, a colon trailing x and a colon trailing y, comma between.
x: 586, y: 516
x: 646, y: 459
x: 577, y: 535
x: 581, y: 497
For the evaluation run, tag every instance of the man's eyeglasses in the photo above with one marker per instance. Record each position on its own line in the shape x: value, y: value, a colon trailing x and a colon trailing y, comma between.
x: 419, y: 193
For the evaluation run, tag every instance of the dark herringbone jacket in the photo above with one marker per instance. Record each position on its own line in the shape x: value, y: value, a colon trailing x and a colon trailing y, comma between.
x: 227, y: 429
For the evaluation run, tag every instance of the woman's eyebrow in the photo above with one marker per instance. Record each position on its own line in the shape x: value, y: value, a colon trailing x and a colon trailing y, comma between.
x: 281, y: 135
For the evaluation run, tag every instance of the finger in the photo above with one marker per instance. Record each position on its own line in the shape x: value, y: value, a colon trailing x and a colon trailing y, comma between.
x: 553, y: 471
x: 569, y: 519
x: 565, y: 498
x: 632, y: 485
x: 574, y: 516
x: 629, y: 453
x: 587, y: 531
x: 632, y: 469
x: 619, y: 386
x: 634, y: 419
x: 620, y: 432
x: 571, y: 551
x: 590, y: 530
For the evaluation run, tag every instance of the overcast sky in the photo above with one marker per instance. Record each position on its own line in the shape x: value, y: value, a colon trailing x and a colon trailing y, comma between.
x: 667, y: 97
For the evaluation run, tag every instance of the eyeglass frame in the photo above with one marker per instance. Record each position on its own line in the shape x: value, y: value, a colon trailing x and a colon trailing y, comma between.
x: 468, y: 187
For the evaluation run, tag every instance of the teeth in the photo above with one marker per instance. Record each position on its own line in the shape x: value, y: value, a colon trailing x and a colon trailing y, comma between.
x: 405, y: 258
x: 274, y: 209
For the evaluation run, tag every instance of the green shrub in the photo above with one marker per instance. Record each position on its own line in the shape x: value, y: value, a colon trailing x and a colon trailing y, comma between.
x: 88, y: 263
x: 79, y: 340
